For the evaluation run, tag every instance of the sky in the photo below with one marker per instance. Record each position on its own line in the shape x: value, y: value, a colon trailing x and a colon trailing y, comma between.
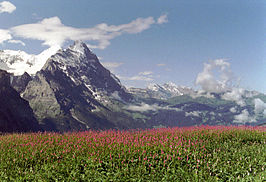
x: 205, y: 44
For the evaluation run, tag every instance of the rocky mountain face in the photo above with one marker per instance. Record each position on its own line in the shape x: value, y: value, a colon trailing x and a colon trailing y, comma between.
x: 70, y: 92
x: 15, y: 112
x: 19, y: 83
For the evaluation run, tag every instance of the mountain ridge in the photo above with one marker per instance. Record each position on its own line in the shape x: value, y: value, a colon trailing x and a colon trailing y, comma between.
x: 74, y: 91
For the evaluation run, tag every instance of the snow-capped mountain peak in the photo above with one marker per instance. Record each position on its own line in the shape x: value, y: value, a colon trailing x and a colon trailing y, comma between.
x: 16, y: 62
x: 83, y: 67
x: 173, y: 88
x: 76, y: 55
x: 164, y: 91
x: 154, y: 87
x: 19, y: 62
x: 79, y: 47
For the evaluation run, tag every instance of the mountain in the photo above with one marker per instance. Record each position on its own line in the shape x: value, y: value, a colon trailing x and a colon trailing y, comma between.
x: 15, y: 112
x: 19, y: 83
x: 73, y: 91
x: 18, y: 62
x: 164, y: 91
x: 234, y: 107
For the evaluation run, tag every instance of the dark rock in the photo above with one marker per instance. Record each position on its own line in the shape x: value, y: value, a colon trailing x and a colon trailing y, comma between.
x: 19, y: 83
x: 15, y: 112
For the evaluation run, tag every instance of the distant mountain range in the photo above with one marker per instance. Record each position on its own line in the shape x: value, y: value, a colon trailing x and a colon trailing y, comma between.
x: 73, y: 91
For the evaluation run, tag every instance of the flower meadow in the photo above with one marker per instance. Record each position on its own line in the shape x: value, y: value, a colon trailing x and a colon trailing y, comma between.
x: 205, y: 153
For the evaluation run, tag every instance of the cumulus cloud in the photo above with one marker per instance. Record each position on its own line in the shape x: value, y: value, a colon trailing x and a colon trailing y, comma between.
x: 4, y: 35
x: 162, y: 19
x: 244, y: 117
x: 141, y: 76
x: 236, y: 94
x: 146, y: 73
x: 112, y: 65
x: 207, y: 80
x: 233, y: 109
x: 202, y: 93
x: 116, y: 96
x: 193, y: 113
x: 143, y: 107
x: 161, y: 64
x: 7, y: 7
x: 53, y: 32
x: 17, y: 42
x: 260, y: 107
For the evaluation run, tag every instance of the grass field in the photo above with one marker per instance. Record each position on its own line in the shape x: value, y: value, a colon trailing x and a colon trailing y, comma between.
x: 204, y: 153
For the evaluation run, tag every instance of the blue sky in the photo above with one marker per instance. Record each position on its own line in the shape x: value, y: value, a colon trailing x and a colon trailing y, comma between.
x: 148, y: 41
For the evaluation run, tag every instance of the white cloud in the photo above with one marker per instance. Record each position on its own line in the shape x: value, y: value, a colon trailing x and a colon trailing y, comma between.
x: 233, y: 109
x: 112, y: 65
x: 16, y: 42
x: 4, y: 35
x: 202, y: 93
x: 162, y: 19
x: 53, y: 32
x: 36, y: 16
x: 142, y: 76
x: 193, y: 113
x: 161, y: 64
x: 116, y: 96
x: 244, y: 117
x: 260, y: 106
x: 236, y: 94
x: 146, y: 73
x: 7, y: 7
x: 143, y: 107
x: 207, y: 80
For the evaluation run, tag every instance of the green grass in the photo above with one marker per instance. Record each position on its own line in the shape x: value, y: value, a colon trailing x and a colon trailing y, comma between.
x: 165, y: 154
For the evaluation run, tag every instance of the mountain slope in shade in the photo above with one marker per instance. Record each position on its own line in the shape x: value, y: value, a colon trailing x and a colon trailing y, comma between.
x: 15, y: 112
x: 19, y: 83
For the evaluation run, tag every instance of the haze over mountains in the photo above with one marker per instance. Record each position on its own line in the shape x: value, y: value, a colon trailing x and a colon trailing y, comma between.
x: 72, y: 90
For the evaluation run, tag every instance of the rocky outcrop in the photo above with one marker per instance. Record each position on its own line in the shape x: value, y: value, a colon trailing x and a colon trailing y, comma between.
x: 15, y: 112
x: 19, y: 83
